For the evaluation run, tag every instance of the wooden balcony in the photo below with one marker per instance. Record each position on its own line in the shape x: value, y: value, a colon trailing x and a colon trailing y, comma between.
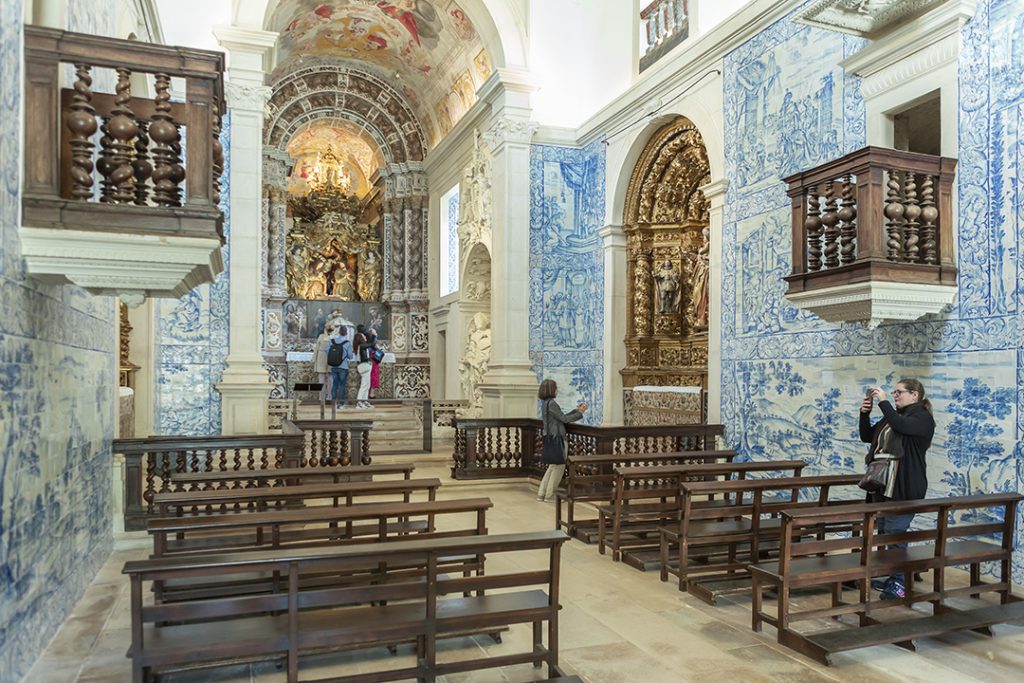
x: 873, y: 236
x: 121, y: 191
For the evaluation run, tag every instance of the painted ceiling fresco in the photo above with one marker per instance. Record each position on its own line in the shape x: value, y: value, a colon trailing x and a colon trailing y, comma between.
x: 428, y: 49
x: 352, y: 146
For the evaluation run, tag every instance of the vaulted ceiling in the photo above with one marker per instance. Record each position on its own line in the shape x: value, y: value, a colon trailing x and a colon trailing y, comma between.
x: 429, y: 51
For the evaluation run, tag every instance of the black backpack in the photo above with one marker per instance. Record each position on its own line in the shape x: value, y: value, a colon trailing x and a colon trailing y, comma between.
x: 336, y: 354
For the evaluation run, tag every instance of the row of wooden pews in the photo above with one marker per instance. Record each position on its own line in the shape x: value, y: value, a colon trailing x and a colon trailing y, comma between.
x: 725, y: 527
x: 258, y: 565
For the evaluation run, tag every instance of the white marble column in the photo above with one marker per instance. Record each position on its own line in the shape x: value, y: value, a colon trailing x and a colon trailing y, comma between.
x: 715, y: 194
x: 244, y: 387
x: 614, y: 245
x: 510, y: 386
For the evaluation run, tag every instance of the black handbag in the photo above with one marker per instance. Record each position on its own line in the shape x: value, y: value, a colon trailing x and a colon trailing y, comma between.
x: 552, y: 450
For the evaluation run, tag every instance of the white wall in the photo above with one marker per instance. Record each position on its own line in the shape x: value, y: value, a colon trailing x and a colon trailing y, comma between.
x: 581, y: 56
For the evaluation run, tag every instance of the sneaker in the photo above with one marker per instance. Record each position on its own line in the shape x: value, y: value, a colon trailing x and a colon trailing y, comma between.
x: 549, y: 500
x: 540, y: 499
x: 893, y: 590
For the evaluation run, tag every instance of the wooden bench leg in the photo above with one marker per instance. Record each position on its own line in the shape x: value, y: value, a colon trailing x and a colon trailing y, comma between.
x: 538, y: 644
x: 663, y: 556
x: 756, y: 600
x: 600, y: 532
x: 975, y: 578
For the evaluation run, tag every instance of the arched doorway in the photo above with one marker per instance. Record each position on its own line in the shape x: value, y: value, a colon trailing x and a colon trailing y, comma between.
x: 667, y: 233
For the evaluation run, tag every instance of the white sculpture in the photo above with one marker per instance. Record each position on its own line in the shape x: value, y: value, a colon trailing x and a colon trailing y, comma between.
x: 475, y: 200
x: 475, y: 360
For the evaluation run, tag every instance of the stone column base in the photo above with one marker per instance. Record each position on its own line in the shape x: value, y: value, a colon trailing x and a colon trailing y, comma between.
x: 245, y: 399
x: 509, y: 400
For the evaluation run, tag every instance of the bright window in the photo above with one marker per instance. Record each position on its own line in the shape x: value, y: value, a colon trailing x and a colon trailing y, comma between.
x: 450, y: 241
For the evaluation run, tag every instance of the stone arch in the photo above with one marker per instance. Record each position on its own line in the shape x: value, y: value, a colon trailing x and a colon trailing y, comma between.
x: 665, y: 218
x: 331, y: 89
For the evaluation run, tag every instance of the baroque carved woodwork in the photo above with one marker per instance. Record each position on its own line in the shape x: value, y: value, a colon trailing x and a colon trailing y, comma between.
x: 666, y: 225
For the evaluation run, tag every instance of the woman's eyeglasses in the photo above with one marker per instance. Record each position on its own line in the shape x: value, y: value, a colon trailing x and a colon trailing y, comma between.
x: 900, y: 392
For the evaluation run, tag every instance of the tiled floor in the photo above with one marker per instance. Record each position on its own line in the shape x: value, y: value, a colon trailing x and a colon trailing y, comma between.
x: 617, y: 625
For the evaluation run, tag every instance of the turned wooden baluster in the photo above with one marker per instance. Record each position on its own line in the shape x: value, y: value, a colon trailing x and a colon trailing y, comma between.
x: 105, y: 163
x: 813, y: 225
x: 218, y: 152
x: 82, y: 125
x: 177, y: 167
x: 142, y: 167
x: 894, y: 216
x: 848, y: 218
x: 911, y: 212
x: 123, y: 129
x: 929, y: 214
x: 830, y: 218
x: 164, y: 134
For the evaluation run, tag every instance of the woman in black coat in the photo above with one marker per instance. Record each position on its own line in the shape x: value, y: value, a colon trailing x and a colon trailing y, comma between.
x: 905, y: 431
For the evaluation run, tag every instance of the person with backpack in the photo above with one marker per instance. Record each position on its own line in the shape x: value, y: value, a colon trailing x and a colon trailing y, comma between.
x: 320, y: 367
x: 364, y: 366
x: 339, y: 354
x: 376, y: 356
x: 554, y: 438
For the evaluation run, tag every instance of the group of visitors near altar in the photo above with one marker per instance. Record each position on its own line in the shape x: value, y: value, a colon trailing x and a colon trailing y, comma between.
x: 895, y: 461
x: 334, y: 354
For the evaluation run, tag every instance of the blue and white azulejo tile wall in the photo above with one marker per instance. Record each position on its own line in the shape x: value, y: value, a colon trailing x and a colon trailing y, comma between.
x: 58, y: 380
x: 192, y: 340
x: 792, y: 384
x: 567, y: 191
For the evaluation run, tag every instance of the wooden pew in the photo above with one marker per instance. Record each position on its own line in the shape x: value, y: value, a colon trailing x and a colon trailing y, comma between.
x: 938, y: 547
x: 222, y: 479
x: 591, y: 478
x: 318, y: 526
x: 750, y: 521
x: 260, y: 498
x: 292, y: 623
x: 647, y: 497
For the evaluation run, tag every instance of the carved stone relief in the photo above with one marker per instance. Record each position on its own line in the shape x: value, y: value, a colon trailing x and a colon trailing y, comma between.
x: 475, y: 200
x: 475, y: 361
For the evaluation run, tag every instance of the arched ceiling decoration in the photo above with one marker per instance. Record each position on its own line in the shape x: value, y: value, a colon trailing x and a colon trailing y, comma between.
x: 664, y: 187
x: 319, y: 141
x: 328, y: 89
x: 429, y: 50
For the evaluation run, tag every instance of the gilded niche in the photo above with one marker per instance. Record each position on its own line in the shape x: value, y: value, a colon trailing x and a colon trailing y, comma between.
x: 668, y: 249
x: 330, y: 255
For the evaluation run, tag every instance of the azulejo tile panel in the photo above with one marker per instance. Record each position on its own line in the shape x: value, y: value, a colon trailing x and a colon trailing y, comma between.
x: 192, y: 340
x: 567, y: 195
x: 791, y: 382
x: 57, y: 388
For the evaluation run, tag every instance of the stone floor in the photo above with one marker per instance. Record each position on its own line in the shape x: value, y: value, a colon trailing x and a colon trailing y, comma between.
x: 617, y: 625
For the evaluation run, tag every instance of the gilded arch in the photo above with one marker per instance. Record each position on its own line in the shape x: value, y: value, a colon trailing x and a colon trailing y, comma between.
x: 666, y: 225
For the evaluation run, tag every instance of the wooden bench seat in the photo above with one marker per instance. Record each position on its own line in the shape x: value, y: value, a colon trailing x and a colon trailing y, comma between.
x: 828, y: 562
x: 651, y: 492
x: 742, y: 529
x: 590, y: 478
x: 260, y: 498
x: 293, y: 623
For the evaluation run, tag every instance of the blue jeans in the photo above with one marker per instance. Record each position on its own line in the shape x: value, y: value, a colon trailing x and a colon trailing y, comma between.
x: 339, y: 376
x: 894, y: 524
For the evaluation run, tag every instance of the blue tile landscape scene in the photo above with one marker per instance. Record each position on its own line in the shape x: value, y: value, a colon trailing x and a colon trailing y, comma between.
x: 567, y: 272
x: 792, y: 383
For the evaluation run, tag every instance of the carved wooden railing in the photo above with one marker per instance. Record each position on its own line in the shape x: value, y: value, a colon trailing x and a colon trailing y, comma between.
x: 665, y: 24
x: 511, y: 447
x: 135, y: 178
x: 151, y: 463
x: 876, y: 214
x: 331, y: 443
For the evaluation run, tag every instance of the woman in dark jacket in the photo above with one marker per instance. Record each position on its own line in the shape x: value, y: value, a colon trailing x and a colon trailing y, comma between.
x: 554, y: 424
x: 905, y: 431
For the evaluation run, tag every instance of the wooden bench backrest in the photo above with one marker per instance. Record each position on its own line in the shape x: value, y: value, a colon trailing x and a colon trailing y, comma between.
x: 755, y: 496
x: 291, y: 564
x: 866, y: 516
x: 657, y: 481
x: 595, y: 471
x: 245, y: 478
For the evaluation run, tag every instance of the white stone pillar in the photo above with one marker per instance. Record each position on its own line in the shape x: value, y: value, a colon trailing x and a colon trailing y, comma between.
x: 614, y: 245
x: 714, y: 192
x: 245, y: 388
x: 510, y: 386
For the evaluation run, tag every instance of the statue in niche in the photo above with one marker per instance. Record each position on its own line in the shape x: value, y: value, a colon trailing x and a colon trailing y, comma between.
x: 344, y: 281
x: 475, y: 359
x: 667, y: 280
x: 369, y: 276
x: 698, y: 313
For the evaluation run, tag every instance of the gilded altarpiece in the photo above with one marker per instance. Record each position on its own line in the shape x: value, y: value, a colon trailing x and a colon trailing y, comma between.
x: 666, y: 226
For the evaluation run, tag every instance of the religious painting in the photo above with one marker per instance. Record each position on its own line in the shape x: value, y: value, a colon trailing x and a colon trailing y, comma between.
x: 427, y: 44
x: 295, y: 318
x: 461, y: 24
x: 317, y: 315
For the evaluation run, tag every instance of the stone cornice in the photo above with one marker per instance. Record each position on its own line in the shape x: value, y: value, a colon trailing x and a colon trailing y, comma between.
x: 245, y: 39
x: 505, y: 130
x: 246, y: 96
x: 715, y: 191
